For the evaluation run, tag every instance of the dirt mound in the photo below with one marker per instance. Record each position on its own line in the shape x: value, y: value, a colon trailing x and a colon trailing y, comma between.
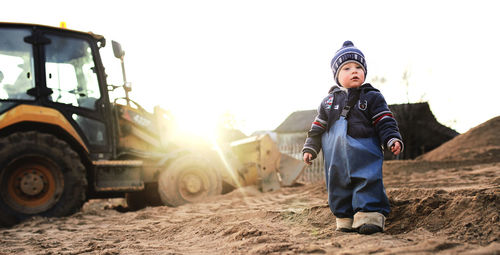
x: 467, y: 215
x: 480, y: 143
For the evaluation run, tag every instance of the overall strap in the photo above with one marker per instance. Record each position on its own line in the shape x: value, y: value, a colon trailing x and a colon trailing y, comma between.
x: 350, y: 103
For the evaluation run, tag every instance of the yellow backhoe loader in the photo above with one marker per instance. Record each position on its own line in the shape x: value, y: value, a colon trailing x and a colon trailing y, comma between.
x: 62, y: 141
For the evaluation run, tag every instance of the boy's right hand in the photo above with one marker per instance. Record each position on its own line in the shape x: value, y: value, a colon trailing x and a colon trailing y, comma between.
x: 308, y: 158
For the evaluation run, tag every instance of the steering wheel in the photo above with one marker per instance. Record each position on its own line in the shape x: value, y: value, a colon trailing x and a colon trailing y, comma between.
x: 137, y: 105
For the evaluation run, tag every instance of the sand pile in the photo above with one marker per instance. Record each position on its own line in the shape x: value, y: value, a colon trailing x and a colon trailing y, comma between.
x: 481, y: 143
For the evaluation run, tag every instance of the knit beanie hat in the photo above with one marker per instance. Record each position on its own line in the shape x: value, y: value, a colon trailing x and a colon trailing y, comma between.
x: 347, y: 54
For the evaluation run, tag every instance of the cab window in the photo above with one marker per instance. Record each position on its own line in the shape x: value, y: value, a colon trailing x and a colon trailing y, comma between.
x: 70, y: 72
x: 16, y: 65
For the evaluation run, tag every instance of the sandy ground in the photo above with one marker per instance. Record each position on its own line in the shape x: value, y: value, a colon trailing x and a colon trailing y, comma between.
x: 438, y: 208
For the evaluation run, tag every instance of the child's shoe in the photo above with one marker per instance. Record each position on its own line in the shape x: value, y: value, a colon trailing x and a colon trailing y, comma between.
x: 368, y: 223
x: 344, y: 225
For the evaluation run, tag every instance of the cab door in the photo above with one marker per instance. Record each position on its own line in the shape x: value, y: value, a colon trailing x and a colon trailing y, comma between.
x: 74, y: 74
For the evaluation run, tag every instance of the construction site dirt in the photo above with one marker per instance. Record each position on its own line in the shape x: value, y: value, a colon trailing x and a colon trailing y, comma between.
x: 440, y: 205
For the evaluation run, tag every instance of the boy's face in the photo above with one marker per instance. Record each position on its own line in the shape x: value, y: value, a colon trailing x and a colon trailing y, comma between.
x: 351, y: 75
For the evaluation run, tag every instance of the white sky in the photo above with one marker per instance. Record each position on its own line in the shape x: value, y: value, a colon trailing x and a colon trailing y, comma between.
x: 261, y: 60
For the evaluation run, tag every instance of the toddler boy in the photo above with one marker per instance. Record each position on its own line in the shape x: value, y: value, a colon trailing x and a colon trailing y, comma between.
x: 352, y: 123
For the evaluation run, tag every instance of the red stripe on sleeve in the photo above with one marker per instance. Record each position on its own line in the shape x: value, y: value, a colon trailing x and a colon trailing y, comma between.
x: 382, y: 116
x: 318, y: 124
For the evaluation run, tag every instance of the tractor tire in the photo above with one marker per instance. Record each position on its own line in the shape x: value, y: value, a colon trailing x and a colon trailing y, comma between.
x: 188, y: 179
x: 141, y: 199
x: 39, y: 175
x: 136, y: 200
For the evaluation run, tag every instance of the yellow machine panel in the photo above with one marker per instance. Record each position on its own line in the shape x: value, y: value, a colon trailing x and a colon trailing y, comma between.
x: 40, y: 114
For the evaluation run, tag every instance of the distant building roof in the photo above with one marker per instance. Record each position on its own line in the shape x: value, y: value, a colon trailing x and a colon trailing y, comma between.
x: 299, y: 121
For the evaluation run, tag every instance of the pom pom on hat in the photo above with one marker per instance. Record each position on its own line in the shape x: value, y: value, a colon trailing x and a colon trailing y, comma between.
x: 348, y: 53
x: 348, y: 44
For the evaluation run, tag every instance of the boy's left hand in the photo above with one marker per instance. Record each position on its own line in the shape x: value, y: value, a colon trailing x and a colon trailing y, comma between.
x: 396, y: 148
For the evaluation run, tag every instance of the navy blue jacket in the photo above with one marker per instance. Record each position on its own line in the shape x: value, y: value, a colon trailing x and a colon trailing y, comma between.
x: 369, y: 117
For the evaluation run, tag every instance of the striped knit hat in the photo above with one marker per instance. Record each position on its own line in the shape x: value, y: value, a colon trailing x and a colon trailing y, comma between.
x: 347, y: 54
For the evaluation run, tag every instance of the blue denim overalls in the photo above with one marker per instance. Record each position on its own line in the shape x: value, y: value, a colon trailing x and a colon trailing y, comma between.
x: 353, y: 170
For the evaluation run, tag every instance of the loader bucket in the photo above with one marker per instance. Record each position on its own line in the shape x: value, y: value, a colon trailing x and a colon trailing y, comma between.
x: 290, y: 169
x: 261, y: 161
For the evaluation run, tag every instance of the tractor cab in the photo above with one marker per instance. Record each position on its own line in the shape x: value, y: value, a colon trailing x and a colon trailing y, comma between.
x: 57, y: 69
